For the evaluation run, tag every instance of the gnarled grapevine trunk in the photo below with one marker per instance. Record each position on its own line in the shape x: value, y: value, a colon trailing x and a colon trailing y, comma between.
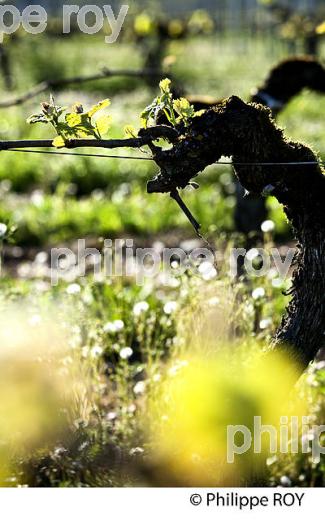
x: 285, y: 81
x: 246, y: 133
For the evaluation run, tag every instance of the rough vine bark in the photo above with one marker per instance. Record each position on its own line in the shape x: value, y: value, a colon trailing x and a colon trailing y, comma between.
x: 246, y: 133
x: 285, y: 81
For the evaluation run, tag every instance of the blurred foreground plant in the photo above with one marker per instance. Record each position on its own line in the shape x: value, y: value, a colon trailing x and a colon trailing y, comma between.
x: 38, y: 390
x: 200, y: 397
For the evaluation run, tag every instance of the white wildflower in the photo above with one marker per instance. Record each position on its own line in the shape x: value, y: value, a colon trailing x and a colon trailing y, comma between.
x: 96, y: 351
x: 268, y: 226
x: 126, y: 353
x: 208, y: 271
x: 277, y: 283
x: 252, y: 254
x: 119, y: 325
x: 139, y: 388
x: 285, y: 481
x: 136, y: 451
x: 37, y: 198
x: 265, y: 323
x: 140, y: 307
x: 73, y: 288
x: 258, y: 293
x: 41, y: 257
x: 114, y: 326
x: 170, y: 307
x: 3, y: 230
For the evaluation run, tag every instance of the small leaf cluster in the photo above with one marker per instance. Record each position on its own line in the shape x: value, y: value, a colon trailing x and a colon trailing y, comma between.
x: 176, y: 110
x: 76, y: 124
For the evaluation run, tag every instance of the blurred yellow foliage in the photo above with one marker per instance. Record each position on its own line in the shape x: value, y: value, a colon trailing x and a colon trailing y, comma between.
x: 38, y: 391
x: 321, y: 28
x: 144, y: 25
x: 200, y: 397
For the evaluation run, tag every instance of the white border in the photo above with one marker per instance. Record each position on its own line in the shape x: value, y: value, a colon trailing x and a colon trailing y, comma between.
x: 145, y: 504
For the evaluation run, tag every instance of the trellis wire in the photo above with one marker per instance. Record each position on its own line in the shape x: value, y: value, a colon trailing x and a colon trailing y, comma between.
x: 194, y: 223
x: 103, y: 156
x: 137, y: 158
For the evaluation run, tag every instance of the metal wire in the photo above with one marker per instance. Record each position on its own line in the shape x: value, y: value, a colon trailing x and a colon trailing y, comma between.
x: 138, y: 158
x: 306, y: 163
